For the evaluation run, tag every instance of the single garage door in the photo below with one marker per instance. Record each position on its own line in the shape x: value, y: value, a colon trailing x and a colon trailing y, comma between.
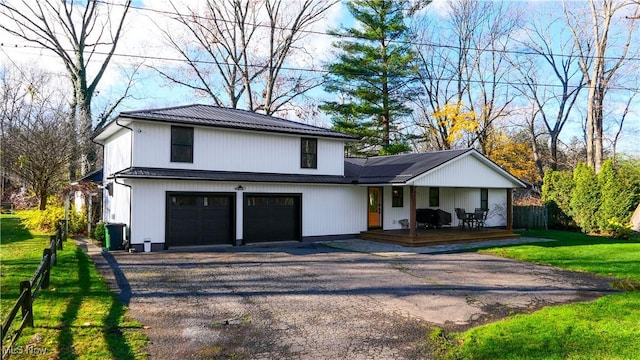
x: 272, y: 217
x: 200, y: 219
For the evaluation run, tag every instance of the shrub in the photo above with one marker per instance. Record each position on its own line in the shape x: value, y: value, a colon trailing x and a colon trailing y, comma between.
x: 77, y: 221
x: 617, y: 198
x: 585, y: 198
x: 556, y: 195
x: 617, y: 229
x: 100, y: 231
x: 602, y: 203
x: 44, y: 221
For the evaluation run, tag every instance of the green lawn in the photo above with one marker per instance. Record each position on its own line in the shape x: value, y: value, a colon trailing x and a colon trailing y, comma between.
x: 78, y: 317
x: 608, y: 328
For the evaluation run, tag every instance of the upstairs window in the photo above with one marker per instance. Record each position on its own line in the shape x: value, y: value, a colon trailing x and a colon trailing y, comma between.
x: 309, y: 153
x: 181, y: 144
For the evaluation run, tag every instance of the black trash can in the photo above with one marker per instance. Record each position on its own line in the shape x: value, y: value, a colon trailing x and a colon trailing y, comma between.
x: 115, y: 236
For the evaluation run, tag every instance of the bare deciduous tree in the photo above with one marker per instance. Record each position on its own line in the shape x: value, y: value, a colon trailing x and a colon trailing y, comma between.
x: 462, y: 62
x: 236, y: 51
x: 81, y: 35
x: 602, y: 51
x: 36, y: 141
x: 625, y: 112
x: 550, y: 80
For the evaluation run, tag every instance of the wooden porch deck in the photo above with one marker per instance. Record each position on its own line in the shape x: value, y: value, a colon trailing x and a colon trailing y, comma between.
x: 426, y: 237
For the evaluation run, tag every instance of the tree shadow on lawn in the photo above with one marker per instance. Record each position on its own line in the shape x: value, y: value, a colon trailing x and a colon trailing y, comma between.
x: 13, y: 230
x: 116, y: 343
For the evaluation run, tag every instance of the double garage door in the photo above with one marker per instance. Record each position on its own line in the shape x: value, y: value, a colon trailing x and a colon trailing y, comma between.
x: 209, y: 218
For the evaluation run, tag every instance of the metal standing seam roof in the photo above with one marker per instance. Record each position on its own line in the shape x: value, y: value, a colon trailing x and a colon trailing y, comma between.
x: 375, y: 170
x: 209, y: 115
x: 404, y: 167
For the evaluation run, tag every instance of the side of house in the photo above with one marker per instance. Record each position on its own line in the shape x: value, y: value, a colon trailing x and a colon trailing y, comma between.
x: 198, y: 174
x: 231, y: 177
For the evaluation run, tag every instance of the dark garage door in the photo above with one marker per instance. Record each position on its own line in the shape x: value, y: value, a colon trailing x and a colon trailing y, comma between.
x: 269, y: 217
x: 200, y: 219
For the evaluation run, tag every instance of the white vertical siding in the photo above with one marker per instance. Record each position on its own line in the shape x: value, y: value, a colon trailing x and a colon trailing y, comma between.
x: 392, y: 215
x: 235, y: 150
x: 465, y: 171
x: 326, y: 209
x: 450, y: 199
x: 117, y: 156
x: 118, y: 205
x: 497, y: 215
x: 117, y: 152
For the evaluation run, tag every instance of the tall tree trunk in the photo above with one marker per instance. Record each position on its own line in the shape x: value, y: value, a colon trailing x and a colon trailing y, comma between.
x: 598, y: 69
x: 553, y: 147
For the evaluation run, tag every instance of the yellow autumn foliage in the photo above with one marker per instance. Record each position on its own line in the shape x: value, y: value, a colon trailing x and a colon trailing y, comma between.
x: 513, y: 155
x: 453, y: 123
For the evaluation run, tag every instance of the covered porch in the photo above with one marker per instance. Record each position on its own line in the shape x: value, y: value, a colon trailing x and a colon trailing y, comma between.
x: 426, y: 237
x: 421, y: 237
x: 405, y: 190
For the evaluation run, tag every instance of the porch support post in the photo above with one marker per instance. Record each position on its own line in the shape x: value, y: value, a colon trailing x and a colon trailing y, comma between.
x: 412, y: 211
x: 510, y: 209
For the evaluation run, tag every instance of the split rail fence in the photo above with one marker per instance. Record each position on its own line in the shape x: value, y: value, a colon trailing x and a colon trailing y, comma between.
x: 29, y: 290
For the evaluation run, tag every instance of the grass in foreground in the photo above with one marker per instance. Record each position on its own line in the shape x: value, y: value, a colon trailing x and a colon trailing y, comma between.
x: 608, y: 328
x: 78, y: 317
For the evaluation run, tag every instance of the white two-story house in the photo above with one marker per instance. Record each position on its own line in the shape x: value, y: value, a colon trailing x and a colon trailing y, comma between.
x: 204, y: 175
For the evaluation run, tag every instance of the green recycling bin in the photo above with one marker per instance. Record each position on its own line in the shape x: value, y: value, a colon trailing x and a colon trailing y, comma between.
x: 114, y: 237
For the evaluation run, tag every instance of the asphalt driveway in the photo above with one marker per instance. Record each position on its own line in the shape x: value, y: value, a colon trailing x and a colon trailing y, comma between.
x: 309, y: 301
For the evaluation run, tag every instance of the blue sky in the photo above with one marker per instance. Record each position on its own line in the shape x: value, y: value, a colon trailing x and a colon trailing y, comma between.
x: 141, y: 44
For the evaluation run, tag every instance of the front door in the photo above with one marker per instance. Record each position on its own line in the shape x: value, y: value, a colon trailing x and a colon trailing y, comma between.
x: 375, y: 208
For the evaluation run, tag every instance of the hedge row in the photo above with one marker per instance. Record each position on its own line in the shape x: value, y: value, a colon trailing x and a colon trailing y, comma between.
x: 594, y: 203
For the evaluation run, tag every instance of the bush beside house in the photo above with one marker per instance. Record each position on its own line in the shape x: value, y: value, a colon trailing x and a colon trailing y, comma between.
x: 45, y: 221
x: 556, y: 195
x: 602, y: 203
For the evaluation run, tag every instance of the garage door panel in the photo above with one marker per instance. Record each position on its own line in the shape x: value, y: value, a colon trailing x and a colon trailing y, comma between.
x: 272, y: 217
x: 200, y: 219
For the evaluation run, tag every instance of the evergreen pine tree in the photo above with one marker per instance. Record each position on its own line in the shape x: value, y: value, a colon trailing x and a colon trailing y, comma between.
x: 373, y: 76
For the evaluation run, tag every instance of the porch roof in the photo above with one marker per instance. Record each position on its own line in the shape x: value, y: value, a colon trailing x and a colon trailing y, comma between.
x: 455, y: 168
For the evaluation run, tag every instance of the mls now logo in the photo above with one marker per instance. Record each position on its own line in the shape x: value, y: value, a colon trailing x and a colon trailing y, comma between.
x: 24, y: 350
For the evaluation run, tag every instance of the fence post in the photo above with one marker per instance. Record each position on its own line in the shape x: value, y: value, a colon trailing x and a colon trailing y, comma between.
x: 545, y: 217
x: 53, y: 246
x: 61, y: 233
x: 46, y: 257
x: 27, y: 308
x: 63, y: 229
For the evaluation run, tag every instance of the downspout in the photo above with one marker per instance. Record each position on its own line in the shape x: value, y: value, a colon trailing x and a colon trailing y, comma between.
x: 115, y: 180
x: 103, y: 184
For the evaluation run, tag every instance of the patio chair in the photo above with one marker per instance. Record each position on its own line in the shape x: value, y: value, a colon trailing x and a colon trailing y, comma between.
x: 463, y: 218
x: 479, y: 218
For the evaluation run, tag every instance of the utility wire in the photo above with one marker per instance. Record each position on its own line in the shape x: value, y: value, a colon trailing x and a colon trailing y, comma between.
x: 317, y: 71
x: 351, y: 36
